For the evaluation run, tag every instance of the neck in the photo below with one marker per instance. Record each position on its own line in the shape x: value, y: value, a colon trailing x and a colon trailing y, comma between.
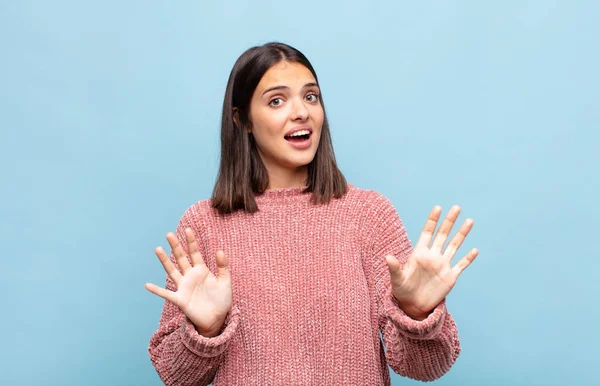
x: 281, y: 178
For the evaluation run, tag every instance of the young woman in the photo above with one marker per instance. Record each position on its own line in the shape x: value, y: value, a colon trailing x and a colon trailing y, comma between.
x: 287, y: 274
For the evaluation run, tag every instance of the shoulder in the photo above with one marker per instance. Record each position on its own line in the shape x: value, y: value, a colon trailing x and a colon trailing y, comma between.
x: 379, y: 219
x: 373, y: 210
x: 198, y: 212
x: 369, y: 199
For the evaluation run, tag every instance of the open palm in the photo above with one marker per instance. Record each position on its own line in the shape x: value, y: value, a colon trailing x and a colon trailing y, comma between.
x: 203, y: 297
x: 426, y: 277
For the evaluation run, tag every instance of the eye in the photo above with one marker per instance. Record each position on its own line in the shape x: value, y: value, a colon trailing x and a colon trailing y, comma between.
x: 273, y: 100
x: 315, y: 97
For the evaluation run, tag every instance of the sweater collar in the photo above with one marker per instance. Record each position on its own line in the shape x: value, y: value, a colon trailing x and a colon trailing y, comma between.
x: 282, y: 195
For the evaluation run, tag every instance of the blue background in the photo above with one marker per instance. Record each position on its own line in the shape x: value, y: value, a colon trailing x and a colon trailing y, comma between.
x: 110, y: 117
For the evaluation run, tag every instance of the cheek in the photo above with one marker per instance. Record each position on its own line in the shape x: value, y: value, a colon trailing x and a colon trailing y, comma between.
x: 272, y: 123
x: 318, y: 114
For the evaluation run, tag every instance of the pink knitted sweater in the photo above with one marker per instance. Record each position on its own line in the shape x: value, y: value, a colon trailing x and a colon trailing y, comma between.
x: 311, y: 292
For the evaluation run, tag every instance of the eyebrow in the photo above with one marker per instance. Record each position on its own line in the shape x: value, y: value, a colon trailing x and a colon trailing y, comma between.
x: 286, y: 87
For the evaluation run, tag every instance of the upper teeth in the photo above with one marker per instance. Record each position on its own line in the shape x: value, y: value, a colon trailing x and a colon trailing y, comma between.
x: 299, y: 132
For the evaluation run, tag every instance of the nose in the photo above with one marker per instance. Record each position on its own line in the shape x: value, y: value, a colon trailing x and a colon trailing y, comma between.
x: 299, y: 111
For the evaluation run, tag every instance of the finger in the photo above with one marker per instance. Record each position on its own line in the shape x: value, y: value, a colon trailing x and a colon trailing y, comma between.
x: 429, y: 228
x: 163, y: 293
x: 178, y: 252
x: 193, y: 248
x: 168, y: 265
x: 445, y: 228
x: 458, y: 239
x: 222, y: 264
x: 394, y: 268
x: 465, y: 262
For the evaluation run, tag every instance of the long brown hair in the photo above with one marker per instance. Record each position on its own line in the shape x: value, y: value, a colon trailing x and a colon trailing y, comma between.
x: 242, y: 174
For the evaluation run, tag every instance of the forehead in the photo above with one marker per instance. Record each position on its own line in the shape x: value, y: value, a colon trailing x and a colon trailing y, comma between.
x: 293, y: 75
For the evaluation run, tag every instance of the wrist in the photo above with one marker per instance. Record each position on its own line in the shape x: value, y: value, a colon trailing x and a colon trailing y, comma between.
x: 208, y: 334
x: 411, y: 312
x: 418, y: 317
x: 211, y: 333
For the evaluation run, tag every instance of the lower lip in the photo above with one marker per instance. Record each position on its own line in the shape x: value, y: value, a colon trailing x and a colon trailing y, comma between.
x: 301, y: 144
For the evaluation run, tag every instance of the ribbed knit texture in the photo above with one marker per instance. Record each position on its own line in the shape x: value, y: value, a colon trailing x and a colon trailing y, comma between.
x: 311, y: 292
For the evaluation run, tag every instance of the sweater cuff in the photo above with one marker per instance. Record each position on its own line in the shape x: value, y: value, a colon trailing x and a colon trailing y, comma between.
x: 427, y: 328
x: 210, y: 347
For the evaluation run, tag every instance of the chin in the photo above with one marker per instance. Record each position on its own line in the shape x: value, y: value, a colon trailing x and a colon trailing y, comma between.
x: 297, y: 162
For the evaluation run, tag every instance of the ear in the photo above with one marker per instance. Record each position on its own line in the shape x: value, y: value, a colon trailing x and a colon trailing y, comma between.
x: 236, y: 118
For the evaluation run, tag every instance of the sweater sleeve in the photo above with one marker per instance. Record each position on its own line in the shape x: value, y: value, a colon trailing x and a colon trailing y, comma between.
x: 422, y: 350
x: 179, y: 354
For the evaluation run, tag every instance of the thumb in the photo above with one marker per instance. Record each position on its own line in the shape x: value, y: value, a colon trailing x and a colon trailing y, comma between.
x: 222, y: 265
x: 393, y: 266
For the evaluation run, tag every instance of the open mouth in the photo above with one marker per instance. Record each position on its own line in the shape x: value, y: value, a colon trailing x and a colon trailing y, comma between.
x: 297, y: 138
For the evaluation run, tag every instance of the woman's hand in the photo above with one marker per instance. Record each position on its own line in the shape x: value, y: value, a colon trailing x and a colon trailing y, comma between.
x: 426, y: 278
x: 203, y: 297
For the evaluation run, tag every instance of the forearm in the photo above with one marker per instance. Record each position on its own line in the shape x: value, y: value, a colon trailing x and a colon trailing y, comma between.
x: 182, y: 356
x: 420, y: 349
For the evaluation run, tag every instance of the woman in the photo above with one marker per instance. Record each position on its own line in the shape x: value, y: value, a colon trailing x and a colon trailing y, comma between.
x: 287, y: 274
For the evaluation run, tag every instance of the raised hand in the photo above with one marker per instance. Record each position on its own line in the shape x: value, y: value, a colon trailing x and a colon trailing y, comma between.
x: 426, y: 277
x: 203, y: 297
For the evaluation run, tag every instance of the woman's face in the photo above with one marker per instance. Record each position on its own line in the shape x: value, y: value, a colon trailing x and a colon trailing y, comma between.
x: 286, y: 100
